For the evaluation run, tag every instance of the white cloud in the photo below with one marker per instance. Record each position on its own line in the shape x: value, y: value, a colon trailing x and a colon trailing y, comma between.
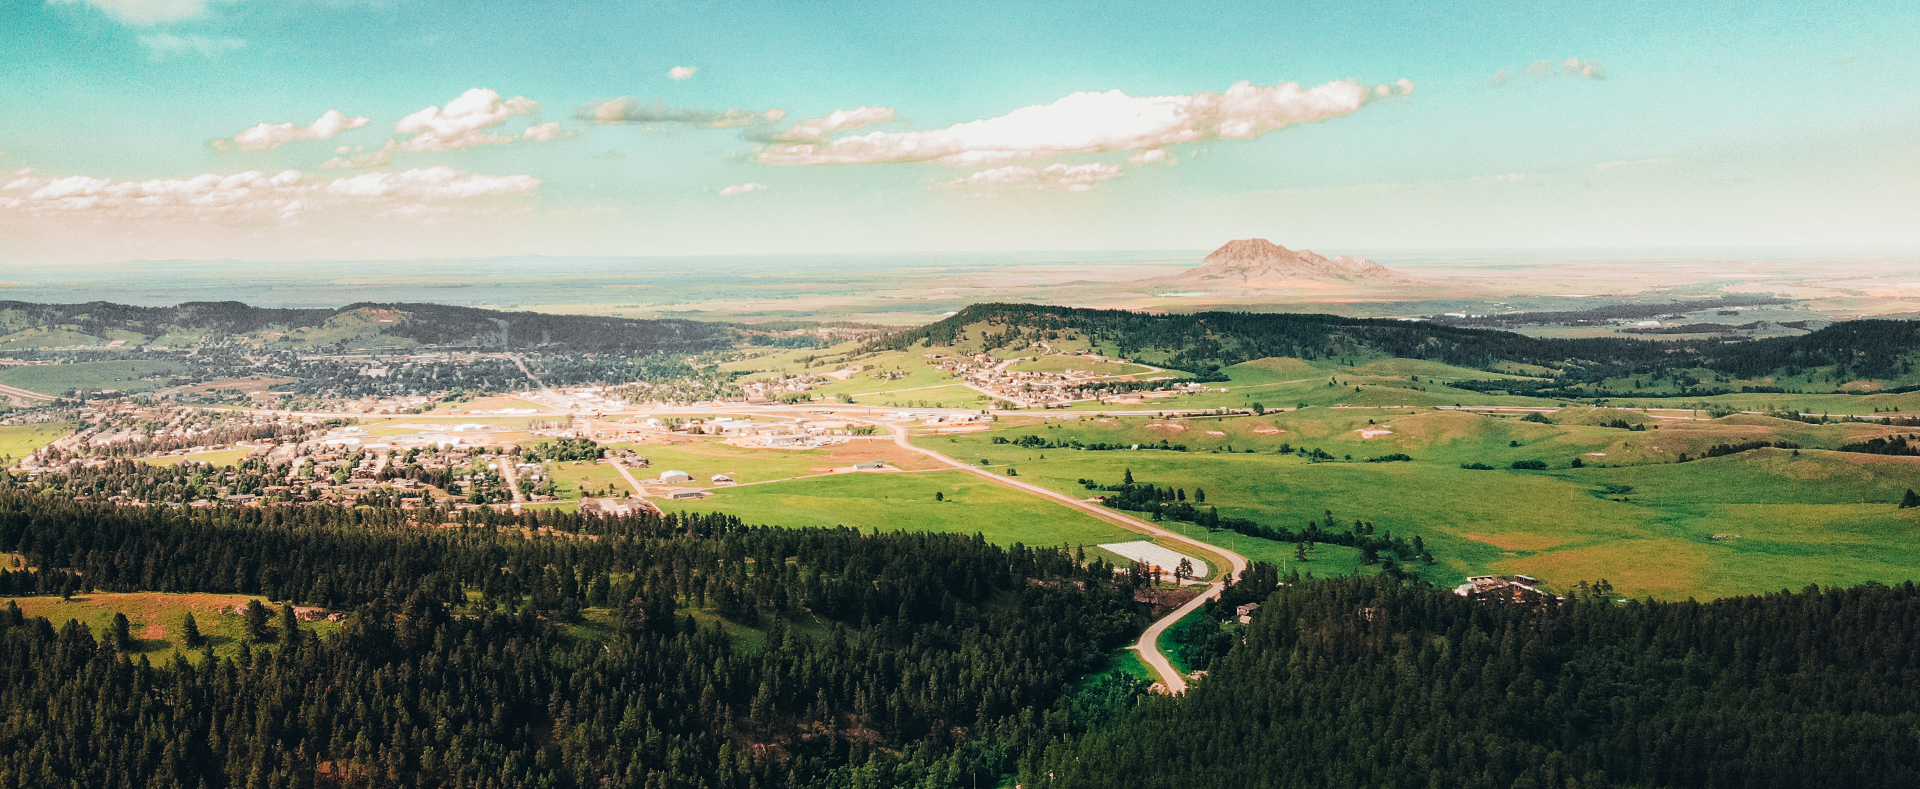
x: 681, y: 72
x: 284, y: 194
x: 268, y: 136
x: 1053, y: 177
x: 1154, y: 156
x: 740, y: 189
x: 146, y: 12
x: 160, y: 46
x: 359, y: 158
x: 816, y: 129
x: 1545, y: 69
x: 1096, y: 123
x: 463, y: 122
x: 627, y: 109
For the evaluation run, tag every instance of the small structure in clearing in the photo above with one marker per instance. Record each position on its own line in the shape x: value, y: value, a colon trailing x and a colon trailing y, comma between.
x: 1505, y: 589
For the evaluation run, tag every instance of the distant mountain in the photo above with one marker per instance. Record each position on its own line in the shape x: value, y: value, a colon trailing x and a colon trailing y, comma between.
x: 25, y: 326
x: 1259, y: 264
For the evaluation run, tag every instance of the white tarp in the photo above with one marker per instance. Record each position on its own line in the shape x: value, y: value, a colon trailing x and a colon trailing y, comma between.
x: 1149, y: 554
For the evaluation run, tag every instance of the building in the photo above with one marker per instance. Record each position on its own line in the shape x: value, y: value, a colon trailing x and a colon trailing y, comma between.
x: 607, y: 507
x: 683, y: 495
x: 1505, y: 589
x: 674, y: 475
x: 870, y: 465
x: 1245, y: 612
x: 722, y: 479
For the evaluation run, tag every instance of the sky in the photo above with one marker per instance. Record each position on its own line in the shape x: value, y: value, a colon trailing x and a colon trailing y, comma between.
x: 301, y: 130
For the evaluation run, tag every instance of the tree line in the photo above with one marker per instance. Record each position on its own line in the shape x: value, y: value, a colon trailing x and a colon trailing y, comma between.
x: 550, y: 649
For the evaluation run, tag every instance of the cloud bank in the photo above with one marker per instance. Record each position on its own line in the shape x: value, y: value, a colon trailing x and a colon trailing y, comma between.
x: 268, y: 136
x: 817, y: 129
x: 681, y: 72
x: 359, y: 158
x: 463, y: 123
x: 627, y: 109
x: 1053, y: 177
x: 286, y: 193
x: 1090, y: 123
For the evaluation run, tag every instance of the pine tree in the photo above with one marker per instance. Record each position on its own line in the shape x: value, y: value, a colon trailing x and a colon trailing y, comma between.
x: 1910, y: 501
x: 256, y: 621
x: 122, y: 633
x: 190, y: 633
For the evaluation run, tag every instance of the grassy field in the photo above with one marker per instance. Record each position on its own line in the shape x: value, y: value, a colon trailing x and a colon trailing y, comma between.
x: 224, y: 457
x: 905, y: 502
x: 125, y: 376
x: 573, y: 477
x: 706, y: 457
x: 1060, y: 363
x: 18, y: 441
x: 1809, y: 517
x: 156, y: 618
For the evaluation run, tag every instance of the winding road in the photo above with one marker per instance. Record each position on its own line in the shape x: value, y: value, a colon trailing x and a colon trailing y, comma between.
x: 1148, y: 646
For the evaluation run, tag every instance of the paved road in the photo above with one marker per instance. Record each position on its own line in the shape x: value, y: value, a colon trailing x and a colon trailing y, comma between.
x: 512, y: 478
x: 1148, y: 646
x: 27, y: 395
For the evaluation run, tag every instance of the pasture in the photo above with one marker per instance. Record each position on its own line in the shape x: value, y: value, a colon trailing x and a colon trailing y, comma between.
x: 1750, y: 522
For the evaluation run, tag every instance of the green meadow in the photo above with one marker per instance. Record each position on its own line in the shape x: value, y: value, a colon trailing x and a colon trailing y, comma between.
x: 18, y: 441
x: 156, y: 618
x: 1750, y: 522
x: 126, y: 376
x: 905, y: 502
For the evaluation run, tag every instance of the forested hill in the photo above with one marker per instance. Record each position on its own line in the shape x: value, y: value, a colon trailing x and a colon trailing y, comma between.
x: 24, y: 326
x: 1205, y: 340
x: 627, y: 653
x: 1367, y: 682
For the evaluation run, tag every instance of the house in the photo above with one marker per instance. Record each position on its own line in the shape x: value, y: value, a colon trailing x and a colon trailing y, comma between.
x: 683, y: 495
x: 1505, y: 589
x: 722, y: 479
x: 870, y: 465
x: 607, y: 507
x: 673, y: 475
x: 1245, y: 612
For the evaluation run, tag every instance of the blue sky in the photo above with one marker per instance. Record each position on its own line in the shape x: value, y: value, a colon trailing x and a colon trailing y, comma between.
x: 1415, y: 126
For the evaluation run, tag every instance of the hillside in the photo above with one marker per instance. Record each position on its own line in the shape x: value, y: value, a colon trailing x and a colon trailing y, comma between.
x: 25, y: 326
x: 1879, y: 351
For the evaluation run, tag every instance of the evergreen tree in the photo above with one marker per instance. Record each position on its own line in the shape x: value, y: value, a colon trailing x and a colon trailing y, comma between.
x: 256, y: 618
x: 190, y: 632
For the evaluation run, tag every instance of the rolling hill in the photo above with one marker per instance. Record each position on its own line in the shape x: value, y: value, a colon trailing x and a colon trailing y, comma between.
x: 25, y: 326
x: 1865, y: 350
